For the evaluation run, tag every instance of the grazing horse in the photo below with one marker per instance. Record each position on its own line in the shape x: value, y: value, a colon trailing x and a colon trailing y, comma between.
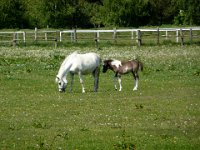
x: 120, y: 68
x: 80, y: 64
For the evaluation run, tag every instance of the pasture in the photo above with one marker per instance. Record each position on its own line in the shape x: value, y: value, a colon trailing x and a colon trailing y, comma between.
x: 162, y: 114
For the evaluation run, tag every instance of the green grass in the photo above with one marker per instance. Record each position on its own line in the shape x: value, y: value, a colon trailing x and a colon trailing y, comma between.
x: 163, y: 114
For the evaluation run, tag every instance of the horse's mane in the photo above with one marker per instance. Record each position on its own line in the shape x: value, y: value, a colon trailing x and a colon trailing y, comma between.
x: 69, y: 57
x: 62, y: 71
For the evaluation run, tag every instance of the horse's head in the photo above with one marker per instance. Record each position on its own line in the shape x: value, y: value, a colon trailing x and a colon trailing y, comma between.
x: 62, y: 83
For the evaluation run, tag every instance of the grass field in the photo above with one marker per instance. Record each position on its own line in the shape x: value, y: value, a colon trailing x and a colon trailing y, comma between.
x: 163, y: 114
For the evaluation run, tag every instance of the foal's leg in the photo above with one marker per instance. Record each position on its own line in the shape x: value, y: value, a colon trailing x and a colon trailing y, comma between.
x: 119, y: 80
x: 136, y: 77
x: 72, y: 80
x: 115, y: 82
x: 120, y: 83
x: 81, y: 81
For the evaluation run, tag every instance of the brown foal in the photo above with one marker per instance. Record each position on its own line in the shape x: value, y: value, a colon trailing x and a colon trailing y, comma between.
x: 120, y: 68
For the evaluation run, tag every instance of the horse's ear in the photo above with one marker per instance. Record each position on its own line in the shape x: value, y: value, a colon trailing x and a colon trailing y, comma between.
x: 57, y: 79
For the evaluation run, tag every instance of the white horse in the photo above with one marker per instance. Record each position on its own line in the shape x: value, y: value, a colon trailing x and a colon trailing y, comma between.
x: 79, y: 64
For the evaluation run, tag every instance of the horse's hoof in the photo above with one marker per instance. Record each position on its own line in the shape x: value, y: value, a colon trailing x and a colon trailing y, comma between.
x: 134, y: 89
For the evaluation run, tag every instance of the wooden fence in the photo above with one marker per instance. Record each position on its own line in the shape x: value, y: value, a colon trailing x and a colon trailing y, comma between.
x: 134, y: 36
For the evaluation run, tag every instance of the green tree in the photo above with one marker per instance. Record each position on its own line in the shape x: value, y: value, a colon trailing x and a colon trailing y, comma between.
x: 126, y: 12
x: 11, y: 14
x: 162, y: 11
x: 65, y: 13
x: 94, y: 13
x: 34, y: 13
x: 191, y: 10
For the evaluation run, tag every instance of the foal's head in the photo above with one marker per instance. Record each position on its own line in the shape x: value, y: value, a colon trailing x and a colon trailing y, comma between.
x: 106, y: 65
x: 113, y: 65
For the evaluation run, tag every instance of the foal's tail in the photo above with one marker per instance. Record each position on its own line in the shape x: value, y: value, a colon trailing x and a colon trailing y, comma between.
x: 140, y: 65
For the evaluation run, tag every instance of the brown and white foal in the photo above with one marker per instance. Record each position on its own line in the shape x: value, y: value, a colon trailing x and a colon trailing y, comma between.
x: 120, y: 68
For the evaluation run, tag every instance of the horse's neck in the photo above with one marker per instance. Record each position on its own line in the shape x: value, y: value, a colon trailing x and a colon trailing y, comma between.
x: 66, y: 65
x: 64, y: 69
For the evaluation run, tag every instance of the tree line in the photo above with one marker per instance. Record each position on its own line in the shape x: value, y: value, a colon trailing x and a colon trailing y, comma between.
x: 97, y: 13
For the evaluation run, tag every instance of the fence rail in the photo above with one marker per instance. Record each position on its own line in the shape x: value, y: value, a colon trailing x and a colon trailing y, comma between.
x: 135, y: 36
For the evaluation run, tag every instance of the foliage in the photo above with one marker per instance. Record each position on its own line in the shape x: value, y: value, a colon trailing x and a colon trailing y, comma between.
x: 189, y: 13
x: 11, y: 14
x: 95, y: 13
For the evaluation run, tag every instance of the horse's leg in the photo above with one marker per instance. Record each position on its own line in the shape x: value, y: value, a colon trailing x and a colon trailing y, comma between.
x: 96, y: 79
x: 136, y: 77
x: 72, y: 80
x: 81, y: 81
x: 120, y: 83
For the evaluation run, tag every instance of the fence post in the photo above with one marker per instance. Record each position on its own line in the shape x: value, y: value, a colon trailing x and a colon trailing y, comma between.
x: 132, y: 35
x: 60, y: 36
x: 45, y: 36
x: 158, y: 36
x: 98, y: 36
x: 14, y: 39
x: 191, y: 35
x: 182, y: 37
x: 71, y: 36
x: 24, y: 38
x: 75, y: 36
x: 166, y: 35
x: 177, y: 36
x: 35, y: 34
x: 96, y: 39
x: 114, y: 34
x: 138, y: 38
x: 56, y: 42
x: 17, y: 38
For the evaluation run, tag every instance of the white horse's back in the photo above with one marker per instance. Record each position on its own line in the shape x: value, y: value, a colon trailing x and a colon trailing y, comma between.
x: 86, y: 63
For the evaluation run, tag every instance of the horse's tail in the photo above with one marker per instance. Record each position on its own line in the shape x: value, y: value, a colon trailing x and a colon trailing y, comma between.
x: 140, y: 65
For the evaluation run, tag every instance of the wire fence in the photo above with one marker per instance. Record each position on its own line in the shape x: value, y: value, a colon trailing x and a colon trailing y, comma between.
x: 136, y: 37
